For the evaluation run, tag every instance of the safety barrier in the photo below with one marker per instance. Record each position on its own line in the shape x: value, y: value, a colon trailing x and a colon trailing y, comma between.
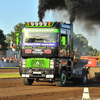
x: 4, y: 64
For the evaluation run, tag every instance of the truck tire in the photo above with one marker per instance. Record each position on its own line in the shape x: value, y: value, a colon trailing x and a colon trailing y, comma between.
x: 84, y: 78
x: 63, y: 78
x: 20, y: 71
x: 27, y: 81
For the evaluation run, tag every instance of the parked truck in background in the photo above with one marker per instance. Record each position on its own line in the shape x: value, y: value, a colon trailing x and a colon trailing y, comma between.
x: 47, y: 53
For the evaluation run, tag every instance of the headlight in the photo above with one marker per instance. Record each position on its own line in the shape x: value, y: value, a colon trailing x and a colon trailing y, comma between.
x: 44, y: 23
x: 23, y: 63
x: 32, y: 23
x: 36, y: 23
x: 51, y: 66
x: 51, y: 63
x: 40, y: 23
x: 23, y: 60
x: 23, y: 66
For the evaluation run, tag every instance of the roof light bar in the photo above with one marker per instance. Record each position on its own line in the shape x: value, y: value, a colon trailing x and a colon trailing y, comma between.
x: 32, y: 23
x: 36, y: 23
x: 45, y: 23
x: 28, y: 23
x: 49, y: 23
x: 40, y: 23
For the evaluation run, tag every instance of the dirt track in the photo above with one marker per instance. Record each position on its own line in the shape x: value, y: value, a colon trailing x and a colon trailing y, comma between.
x: 13, y: 89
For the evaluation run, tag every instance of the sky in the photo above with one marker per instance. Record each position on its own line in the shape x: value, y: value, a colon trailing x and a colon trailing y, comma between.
x: 18, y: 11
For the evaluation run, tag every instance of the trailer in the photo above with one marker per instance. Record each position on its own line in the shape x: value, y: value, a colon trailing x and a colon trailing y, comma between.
x: 47, y: 54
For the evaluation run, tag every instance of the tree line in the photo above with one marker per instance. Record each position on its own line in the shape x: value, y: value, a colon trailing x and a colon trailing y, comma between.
x: 79, y: 41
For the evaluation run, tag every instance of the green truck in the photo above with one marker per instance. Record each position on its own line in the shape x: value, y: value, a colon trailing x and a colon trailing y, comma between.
x: 47, y: 54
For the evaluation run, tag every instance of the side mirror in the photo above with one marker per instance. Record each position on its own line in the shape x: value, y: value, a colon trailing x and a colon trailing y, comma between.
x: 17, y: 38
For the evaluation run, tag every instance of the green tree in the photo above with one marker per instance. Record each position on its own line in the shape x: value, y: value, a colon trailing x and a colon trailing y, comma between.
x: 94, y: 54
x: 2, y: 40
x: 81, y: 43
x: 90, y: 53
x: 97, y: 54
x: 12, y: 35
x: 90, y: 48
x: 95, y: 51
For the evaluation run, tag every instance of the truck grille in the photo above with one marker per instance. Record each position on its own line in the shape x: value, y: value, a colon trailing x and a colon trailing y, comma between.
x: 37, y: 63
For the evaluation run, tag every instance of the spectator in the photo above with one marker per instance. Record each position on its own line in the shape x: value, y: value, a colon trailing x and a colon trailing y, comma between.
x: 4, y: 60
x: 7, y: 60
x: 10, y: 60
x: 1, y: 64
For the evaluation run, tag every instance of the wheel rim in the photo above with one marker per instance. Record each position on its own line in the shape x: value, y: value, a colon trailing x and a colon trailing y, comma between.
x: 63, y: 77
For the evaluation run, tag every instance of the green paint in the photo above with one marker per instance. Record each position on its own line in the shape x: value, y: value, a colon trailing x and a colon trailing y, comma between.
x: 56, y: 30
x: 28, y: 47
x: 42, y: 30
x: 63, y: 40
x: 22, y: 30
x: 17, y: 38
x: 63, y: 78
x: 37, y: 63
x: 41, y: 26
x: 41, y: 47
x: 17, y: 34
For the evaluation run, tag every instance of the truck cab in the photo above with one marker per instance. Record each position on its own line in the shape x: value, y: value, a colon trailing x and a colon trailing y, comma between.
x: 47, y: 52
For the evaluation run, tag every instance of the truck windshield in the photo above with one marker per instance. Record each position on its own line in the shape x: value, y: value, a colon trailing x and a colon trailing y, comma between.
x: 40, y: 37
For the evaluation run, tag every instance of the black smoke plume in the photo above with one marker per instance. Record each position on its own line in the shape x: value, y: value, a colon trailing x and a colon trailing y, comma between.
x: 88, y: 10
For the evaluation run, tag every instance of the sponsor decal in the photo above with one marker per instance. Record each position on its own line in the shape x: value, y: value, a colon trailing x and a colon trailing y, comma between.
x: 47, y: 51
x: 37, y: 64
x: 45, y: 30
x: 39, y: 44
x: 37, y: 51
x: 28, y: 51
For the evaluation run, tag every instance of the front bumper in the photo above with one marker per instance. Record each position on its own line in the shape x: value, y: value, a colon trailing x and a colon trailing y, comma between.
x: 37, y: 73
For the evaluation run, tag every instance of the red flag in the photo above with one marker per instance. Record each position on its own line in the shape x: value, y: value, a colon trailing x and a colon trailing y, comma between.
x: 13, y: 46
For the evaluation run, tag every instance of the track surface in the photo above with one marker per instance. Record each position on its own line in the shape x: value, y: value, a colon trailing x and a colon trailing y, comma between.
x: 13, y: 89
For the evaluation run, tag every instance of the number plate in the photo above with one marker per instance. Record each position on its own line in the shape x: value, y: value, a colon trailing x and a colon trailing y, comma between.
x: 36, y: 72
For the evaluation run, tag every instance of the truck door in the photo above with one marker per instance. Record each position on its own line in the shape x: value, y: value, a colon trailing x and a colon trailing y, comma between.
x: 65, y: 43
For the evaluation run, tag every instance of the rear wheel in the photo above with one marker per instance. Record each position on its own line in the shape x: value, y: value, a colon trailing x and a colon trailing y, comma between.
x: 84, y: 78
x: 63, y: 78
x: 27, y: 81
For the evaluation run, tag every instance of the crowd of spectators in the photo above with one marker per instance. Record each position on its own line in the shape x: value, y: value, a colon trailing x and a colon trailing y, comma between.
x: 9, y: 60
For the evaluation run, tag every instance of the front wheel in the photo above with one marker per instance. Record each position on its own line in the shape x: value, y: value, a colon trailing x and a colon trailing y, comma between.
x: 63, y: 79
x: 27, y: 81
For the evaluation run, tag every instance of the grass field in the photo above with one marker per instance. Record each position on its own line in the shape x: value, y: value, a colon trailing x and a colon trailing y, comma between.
x: 9, y: 67
x: 10, y: 75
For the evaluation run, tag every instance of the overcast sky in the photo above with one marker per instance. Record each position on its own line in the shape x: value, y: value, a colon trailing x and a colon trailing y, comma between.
x: 13, y: 12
